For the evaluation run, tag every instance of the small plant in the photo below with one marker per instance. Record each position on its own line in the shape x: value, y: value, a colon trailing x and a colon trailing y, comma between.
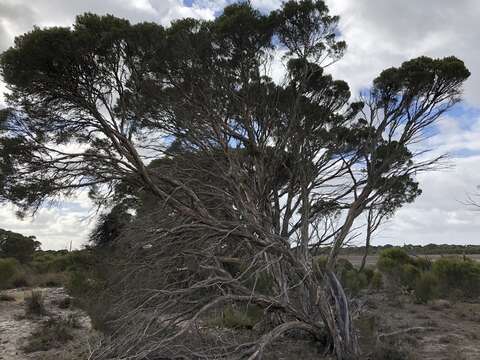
x: 34, y: 304
x: 52, y: 334
x: 377, y: 280
x: 426, y: 287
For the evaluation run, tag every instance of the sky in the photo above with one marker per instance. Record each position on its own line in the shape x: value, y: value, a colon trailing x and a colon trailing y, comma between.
x: 379, y: 34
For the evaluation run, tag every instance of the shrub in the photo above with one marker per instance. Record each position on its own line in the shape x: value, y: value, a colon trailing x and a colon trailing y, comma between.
x: 377, y: 280
x: 457, y: 274
x: 34, y: 304
x: 53, y: 333
x: 354, y: 281
x: 8, y: 268
x: 399, y: 266
x: 51, y: 279
x: 426, y: 287
x: 390, y: 259
x: 423, y: 263
x: 408, y: 275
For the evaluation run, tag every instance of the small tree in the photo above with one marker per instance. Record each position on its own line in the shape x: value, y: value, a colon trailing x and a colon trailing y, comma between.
x: 261, y: 174
x: 17, y: 246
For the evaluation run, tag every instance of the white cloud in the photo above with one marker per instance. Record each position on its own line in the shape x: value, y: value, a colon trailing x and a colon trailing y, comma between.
x: 381, y: 34
x: 440, y: 215
x: 58, y: 227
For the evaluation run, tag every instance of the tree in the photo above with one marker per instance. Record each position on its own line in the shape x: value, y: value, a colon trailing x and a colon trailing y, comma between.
x: 17, y: 246
x: 260, y: 173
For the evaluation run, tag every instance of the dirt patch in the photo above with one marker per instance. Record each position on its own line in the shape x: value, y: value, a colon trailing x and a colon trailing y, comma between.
x: 15, y: 328
x: 436, y: 331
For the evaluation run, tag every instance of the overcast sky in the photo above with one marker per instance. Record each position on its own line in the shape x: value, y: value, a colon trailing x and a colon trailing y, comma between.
x: 379, y: 34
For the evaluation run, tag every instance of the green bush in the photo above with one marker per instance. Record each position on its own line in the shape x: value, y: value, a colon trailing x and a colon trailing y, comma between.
x: 391, y: 259
x: 354, y: 281
x: 8, y: 269
x: 423, y: 263
x: 399, y: 266
x: 426, y: 287
x: 408, y: 275
x: 457, y: 275
x: 377, y: 280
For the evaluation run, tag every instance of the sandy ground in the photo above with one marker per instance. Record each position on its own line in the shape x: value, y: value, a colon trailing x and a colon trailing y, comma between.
x: 15, y: 329
x: 438, y: 331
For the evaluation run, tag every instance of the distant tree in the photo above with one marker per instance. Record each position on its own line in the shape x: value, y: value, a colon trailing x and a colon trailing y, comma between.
x: 266, y: 172
x: 17, y: 246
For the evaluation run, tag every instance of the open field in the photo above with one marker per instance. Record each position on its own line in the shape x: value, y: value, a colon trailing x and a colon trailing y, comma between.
x: 372, y: 259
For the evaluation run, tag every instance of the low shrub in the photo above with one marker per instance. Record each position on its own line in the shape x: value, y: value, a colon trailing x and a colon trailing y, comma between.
x: 50, y: 279
x: 400, y: 267
x: 457, y: 275
x: 354, y: 281
x: 8, y: 269
x: 35, y: 305
x: 53, y: 333
x: 426, y: 287
x: 377, y: 280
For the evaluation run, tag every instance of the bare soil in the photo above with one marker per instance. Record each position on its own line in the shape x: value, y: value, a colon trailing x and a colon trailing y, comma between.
x: 440, y: 330
x: 15, y: 328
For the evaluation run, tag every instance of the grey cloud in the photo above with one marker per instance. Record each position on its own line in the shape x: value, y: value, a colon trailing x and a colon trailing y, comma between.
x: 381, y: 34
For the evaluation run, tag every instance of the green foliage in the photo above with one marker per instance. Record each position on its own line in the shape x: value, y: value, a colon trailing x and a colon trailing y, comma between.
x: 17, y: 246
x: 354, y: 281
x: 399, y: 266
x: 426, y: 287
x: 377, y: 280
x: 62, y: 261
x: 457, y: 274
x: 8, y: 268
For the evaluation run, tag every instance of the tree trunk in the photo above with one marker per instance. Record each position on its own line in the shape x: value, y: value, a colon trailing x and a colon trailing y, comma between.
x: 335, y: 312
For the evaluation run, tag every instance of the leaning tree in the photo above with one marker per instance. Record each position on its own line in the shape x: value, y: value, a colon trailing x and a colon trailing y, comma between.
x: 249, y: 176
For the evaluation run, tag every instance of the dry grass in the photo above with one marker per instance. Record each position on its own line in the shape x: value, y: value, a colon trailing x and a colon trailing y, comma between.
x: 34, y: 304
x: 53, y: 333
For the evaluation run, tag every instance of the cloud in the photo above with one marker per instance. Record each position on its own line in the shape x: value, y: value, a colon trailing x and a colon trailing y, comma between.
x: 440, y: 214
x: 381, y: 34
x: 56, y: 227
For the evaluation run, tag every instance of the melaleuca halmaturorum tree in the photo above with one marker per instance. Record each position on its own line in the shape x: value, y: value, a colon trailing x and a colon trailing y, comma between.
x: 266, y: 171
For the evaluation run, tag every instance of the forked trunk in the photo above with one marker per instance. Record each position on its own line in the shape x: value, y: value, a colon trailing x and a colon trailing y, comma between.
x: 335, y: 312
